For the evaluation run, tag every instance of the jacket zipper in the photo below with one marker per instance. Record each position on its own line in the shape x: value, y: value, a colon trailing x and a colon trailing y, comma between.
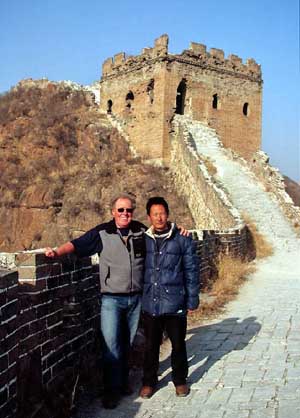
x: 126, y: 244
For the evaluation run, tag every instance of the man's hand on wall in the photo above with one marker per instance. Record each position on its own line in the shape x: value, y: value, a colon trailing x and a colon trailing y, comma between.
x: 66, y: 248
x: 49, y: 252
x: 183, y: 231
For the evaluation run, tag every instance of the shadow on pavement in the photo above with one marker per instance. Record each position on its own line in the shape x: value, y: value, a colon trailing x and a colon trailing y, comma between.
x: 206, y: 345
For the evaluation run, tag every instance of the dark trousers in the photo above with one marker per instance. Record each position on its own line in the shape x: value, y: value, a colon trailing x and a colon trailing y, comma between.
x: 175, y: 325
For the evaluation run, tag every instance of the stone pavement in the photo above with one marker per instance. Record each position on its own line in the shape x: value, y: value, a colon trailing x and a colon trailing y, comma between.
x: 244, y: 364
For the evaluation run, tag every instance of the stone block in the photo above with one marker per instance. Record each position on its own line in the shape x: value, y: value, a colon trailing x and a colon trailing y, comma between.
x: 217, y: 53
x: 119, y: 58
x: 198, y: 49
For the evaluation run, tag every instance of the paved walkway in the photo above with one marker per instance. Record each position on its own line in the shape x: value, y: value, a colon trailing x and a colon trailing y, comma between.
x: 245, y: 363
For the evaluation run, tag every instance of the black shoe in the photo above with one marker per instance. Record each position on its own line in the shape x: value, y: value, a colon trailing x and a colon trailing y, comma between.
x: 146, y: 392
x: 110, y: 401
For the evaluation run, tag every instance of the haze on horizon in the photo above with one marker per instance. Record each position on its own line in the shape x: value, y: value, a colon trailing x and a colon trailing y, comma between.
x: 69, y: 40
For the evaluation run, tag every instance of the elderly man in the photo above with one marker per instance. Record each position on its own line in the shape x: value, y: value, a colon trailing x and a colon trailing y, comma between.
x: 120, y: 244
x: 171, y: 291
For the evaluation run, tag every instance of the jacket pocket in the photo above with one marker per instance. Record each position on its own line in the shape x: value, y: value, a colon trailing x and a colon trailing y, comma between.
x: 104, y: 273
x: 107, y: 275
x: 174, y: 297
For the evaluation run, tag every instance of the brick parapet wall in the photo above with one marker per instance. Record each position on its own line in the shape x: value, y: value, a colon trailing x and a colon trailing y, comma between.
x: 8, y: 343
x: 196, y: 55
x: 50, y: 323
x: 208, y: 202
x: 56, y: 321
x: 212, y: 243
x: 274, y: 184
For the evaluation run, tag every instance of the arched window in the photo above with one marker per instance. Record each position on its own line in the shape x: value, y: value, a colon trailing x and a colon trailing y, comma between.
x: 246, y: 109
x: 215, y: 101
x: 150, y: 90
x: 130, y: 96
x: 180, y: 97
x: 109, y: 106
x: 129, y: 99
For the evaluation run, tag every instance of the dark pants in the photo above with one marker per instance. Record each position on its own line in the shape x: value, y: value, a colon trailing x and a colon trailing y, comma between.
x: 119, y: 322
x: 175, y: 325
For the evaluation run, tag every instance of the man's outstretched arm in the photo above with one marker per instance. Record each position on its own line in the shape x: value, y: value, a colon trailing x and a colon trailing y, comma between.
x: 66, y: 248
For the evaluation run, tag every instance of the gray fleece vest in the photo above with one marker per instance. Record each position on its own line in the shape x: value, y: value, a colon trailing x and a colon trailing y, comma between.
x: 121, y: 265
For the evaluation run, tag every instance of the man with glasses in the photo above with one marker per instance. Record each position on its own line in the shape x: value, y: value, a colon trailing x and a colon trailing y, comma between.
x: 120, y: 244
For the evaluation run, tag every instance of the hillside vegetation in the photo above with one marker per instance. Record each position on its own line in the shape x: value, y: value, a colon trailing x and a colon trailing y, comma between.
x: 61, y: 163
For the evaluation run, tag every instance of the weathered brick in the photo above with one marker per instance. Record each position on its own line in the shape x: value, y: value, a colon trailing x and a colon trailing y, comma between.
x: 12, y: 292
x: 13, y: 355
x: 26, y: 316
x: 47, y: 347
x: 3, y: 396
x: 53, y: 282
x: 3, y: 298
x: 37, y: 325
x: 11, y: 325
x: 55, y: 331
x: 42, y: 310
x: 3, y: 362
x: 27, y: 273
x: 9, y: 310
x: 54, y: 318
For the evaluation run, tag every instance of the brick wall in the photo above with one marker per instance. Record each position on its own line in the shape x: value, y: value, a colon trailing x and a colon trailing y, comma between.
x: 54, y: 313
x: 8, y: 343
x: 212, y: 243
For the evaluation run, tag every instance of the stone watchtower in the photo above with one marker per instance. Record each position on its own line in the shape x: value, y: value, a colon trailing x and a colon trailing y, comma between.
x: 146, y: 90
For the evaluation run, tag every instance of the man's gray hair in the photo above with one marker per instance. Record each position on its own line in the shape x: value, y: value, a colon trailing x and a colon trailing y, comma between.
x: 124, y: 196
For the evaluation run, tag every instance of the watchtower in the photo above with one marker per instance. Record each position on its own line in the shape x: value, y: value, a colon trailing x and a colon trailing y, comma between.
x: 146, y: 90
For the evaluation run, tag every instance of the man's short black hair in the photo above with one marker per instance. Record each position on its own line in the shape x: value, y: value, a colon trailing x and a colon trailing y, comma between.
x: 156, y: 201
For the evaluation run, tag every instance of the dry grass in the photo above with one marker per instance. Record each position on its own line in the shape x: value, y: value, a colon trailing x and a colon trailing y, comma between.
x: 262, y: 247
x: 231, y: 273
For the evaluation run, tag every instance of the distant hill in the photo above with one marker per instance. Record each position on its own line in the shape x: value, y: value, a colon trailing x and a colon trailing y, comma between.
x: 293, y: 189
x: 61, y: 162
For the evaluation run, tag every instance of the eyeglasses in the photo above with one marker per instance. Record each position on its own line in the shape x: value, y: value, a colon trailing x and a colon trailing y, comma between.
x: 128, y: 210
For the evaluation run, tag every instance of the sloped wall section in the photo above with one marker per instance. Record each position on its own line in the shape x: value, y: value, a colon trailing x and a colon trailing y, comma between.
x: 274, y: 184
x: 220, y: 228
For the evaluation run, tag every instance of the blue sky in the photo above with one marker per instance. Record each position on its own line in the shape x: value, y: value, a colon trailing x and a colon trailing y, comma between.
x: 64, y: 39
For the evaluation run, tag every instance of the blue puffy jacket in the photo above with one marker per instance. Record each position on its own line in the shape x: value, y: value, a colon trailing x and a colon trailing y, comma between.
x: 171, y: 281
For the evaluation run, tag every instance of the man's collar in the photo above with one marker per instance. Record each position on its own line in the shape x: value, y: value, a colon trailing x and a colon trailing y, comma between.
x: 112, y: 228
x: 151, y: 231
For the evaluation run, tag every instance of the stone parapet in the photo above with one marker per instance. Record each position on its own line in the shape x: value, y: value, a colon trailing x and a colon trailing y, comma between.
x: 274, y: 184
x: 49, y: 328
x: 197, y: 55
x: 212, y: 243
x: 9, y: 343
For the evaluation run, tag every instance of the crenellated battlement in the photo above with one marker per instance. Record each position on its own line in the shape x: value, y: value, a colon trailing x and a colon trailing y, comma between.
x: 196, y: 55
x: 145, y: 91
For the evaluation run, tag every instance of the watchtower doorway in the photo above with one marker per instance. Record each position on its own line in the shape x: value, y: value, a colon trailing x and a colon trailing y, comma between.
x: 180, y: 97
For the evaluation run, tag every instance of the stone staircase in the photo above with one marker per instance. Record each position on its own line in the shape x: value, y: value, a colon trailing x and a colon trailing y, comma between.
x: 246, y: 192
